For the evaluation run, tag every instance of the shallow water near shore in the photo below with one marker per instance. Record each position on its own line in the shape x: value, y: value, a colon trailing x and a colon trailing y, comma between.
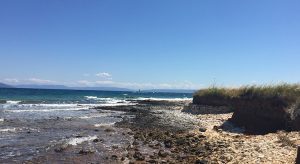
x: 36, y: 124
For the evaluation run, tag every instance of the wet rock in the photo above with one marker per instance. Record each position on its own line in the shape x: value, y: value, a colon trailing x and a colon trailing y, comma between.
x: 114, y: 157
x: 180, y: 141
x: 152, y: 161
x: 79, y: 136
x: 61, y: 148
x: 86, y: 151
x: 96, y: 140
x: 168, y: 143
x: 135, y: 143
x: 138, y: 156
x: 200, y: 161
x: 190, y: 135
x: 115, y: 146
x: 202, y: 129
x: 130, y: 133
x: 109, y: 130
x: 162, y: 153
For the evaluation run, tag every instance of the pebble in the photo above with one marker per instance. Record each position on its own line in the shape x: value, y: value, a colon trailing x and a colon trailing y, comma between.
x: 138, y: 156
x: 162, y: 153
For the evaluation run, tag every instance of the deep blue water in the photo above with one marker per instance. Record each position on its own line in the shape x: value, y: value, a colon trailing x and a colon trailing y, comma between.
x: 50, y: 96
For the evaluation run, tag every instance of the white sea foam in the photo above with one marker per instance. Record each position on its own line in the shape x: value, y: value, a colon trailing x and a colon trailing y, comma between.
x: 76, y: 141
x: 104, y: 124
x: 165, y: 99
x: 1, y: 119
x: 91, y: 97
x: 8, y: 130
x: 95, y: 116
x: 46, y: 110
x: 13, y: 102
x: 56, y: 107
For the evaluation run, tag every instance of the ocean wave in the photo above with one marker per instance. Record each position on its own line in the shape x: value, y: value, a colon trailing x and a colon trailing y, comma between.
x: 106, y: 101
x: 76, y: 141
x: 17, y: 108
x: 12, y: 102
x: 104, y: 124
x: 165, y: 99
x: 8, y: 130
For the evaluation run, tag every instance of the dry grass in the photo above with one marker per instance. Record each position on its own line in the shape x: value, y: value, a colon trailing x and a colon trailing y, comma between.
x: 289, y: 93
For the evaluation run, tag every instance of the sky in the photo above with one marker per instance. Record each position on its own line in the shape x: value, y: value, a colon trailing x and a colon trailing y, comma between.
x: 145, y: 44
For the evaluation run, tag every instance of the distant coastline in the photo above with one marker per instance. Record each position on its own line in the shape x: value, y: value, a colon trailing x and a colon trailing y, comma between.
x: 63, y: 87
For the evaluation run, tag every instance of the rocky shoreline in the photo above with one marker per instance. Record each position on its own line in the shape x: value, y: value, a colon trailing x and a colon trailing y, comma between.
x: 168, y: 132
x: 164, y: 134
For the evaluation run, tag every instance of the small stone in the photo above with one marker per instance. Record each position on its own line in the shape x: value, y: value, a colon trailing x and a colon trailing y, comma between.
x: 130, y: 133
x: 152, y: 161
x: 199, y: 161
x: 135, y: 143
x: 180, y: 141
x: 115, y: 146
x: 85, y: 152
x: 96, y: 140
x: 201, y: 136
x: 163, y: 161
x: 162, y: 153
x: 168, y: 143
x: 109, y: 130
x: 61, y: 148
x: 114, y: 157
x: 190, y: 135
x: 202, y: 129
x: 138, y: 156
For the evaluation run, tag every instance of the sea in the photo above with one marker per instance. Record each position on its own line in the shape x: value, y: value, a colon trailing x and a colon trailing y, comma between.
x: 34, y: 120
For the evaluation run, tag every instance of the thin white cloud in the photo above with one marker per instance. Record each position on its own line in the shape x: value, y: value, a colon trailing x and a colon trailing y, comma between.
x: 11, y: 80
x: 133, y: 85
x: 105, y: 82
x: 41, y: 81
x: 104, y: 75
x: 84, y: 82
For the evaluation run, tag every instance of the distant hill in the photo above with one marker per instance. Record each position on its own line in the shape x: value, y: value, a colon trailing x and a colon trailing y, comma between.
x: 34, y: 86
x: 2, y: 85
x: 101, y: 88
x: 170, y: 90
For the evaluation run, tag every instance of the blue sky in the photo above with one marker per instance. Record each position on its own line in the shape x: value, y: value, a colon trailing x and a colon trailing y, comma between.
x: 149, y: 43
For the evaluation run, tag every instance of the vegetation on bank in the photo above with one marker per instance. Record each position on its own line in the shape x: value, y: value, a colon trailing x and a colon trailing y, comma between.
x: 260, y: 109
x: 288, y: 93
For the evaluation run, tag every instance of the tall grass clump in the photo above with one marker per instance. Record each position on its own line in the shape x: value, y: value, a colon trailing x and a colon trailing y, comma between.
x: 287, y: 93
